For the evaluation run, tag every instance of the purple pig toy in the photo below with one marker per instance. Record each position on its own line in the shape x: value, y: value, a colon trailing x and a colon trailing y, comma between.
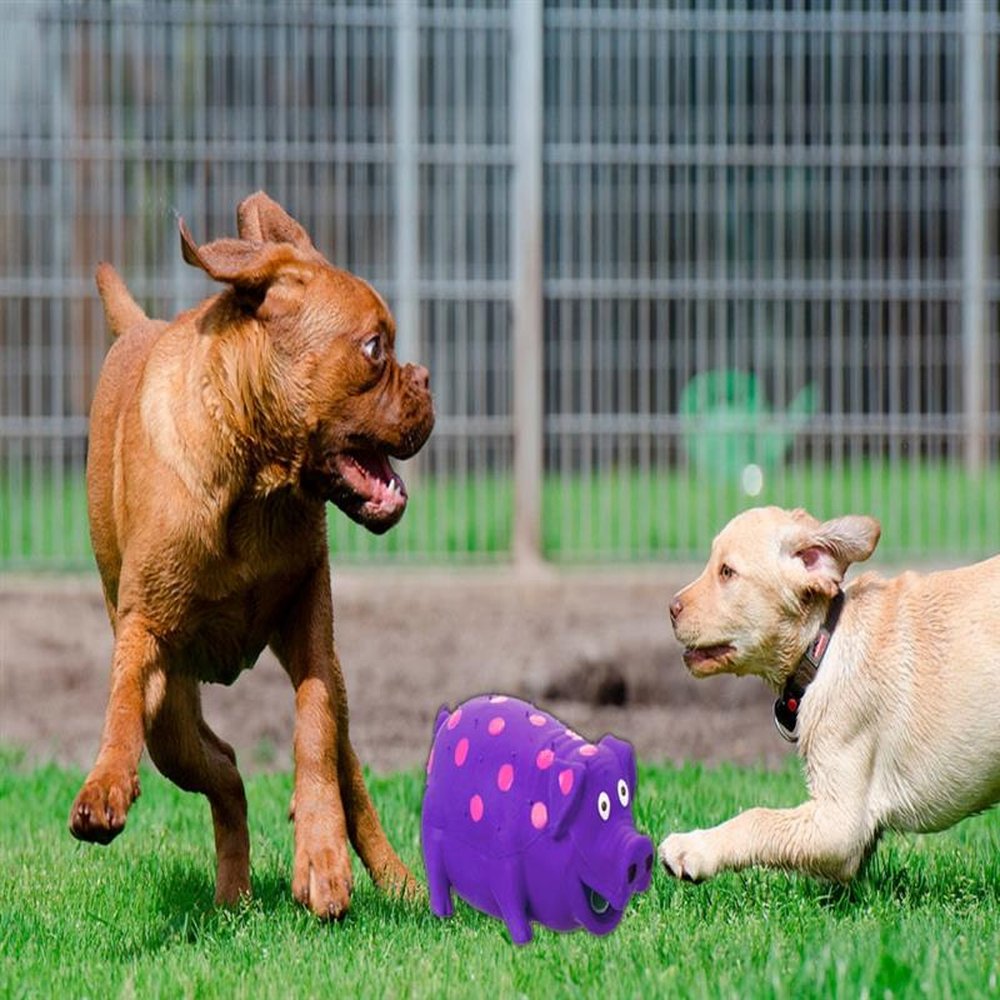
x: 527, y: 821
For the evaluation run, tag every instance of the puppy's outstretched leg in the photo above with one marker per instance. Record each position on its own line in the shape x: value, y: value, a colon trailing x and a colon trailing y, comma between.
x: 817, y: 838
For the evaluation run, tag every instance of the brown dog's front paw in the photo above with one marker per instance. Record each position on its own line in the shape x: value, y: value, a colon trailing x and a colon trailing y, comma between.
x: 99, y: 811
x: 323, y: 880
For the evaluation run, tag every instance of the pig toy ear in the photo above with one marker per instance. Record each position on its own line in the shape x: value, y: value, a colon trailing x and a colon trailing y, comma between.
x: 626, y: 757
x: 565, y: 794
x: 442, y: 716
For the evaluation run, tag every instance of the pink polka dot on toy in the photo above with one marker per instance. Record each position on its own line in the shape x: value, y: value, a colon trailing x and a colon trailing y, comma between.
x: 539, y: 815
x: 461, y: 751
x: 496, y: 726
x: 588, y: 750
x: 454, y: 718
x: 544, y: 759
x: 566, y: 781
x: 430, y: 760
x: 536, y: 719
x: 476, y: 808
x: 505, y: 777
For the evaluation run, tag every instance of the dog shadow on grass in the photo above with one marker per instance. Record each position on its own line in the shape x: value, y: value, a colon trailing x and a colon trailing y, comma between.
x: 901, y: 876
x: 187, y: 912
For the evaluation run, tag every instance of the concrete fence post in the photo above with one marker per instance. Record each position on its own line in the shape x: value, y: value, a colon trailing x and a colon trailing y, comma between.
x: 975, y: 373
x: 406, y: 113
x: 527, y: 102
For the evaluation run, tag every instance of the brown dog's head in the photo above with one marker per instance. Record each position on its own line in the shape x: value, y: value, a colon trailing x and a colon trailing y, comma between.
x: 765, y: 590
x: 310, y: 347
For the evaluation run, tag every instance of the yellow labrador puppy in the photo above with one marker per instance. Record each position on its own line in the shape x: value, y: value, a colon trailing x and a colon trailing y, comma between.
x: 889, y: 686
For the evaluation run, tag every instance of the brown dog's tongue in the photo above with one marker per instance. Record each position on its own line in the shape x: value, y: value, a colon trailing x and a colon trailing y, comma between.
x: 375, y: 464
x: 375, y: 467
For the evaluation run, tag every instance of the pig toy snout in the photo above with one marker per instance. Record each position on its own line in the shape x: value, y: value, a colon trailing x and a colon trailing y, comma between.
x: 630, y: 859
x: 639, y: 863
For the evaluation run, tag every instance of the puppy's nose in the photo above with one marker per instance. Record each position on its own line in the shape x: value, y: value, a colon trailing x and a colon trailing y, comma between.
x: 675, y: 609
x: 421, y: 376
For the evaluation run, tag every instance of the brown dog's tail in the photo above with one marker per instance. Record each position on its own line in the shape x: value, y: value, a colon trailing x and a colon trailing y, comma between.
x: 120, y: 309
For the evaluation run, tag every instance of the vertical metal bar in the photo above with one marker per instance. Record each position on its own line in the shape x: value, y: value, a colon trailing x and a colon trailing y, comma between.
x: 526, y: 109
x: 974, y: 239
x: 406, y: 98
x: 407, y: 111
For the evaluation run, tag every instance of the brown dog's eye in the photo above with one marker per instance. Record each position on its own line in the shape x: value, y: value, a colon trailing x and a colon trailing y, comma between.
x: 373, y: 348
x: 726, y: 571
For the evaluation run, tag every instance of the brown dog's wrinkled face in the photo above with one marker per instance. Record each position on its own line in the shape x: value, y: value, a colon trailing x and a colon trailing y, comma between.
x: 364, y: 408
x: 342, y: 402
x: 768, y: 580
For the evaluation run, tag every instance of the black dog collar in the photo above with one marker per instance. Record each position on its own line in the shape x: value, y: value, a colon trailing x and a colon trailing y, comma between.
x: 786, y: 708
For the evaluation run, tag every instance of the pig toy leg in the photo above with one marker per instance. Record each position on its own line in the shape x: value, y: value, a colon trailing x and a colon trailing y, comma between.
x: 505, y: 883
x: 437, y: 878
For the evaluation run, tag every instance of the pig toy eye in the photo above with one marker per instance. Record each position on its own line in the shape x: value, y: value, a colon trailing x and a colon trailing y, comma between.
x: 623, y: 792
x: 604, y: 806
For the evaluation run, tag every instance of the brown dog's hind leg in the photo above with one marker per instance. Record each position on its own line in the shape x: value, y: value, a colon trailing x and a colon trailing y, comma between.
x: 365, y: 830
x: 187, y: 752
x: 137, y: 683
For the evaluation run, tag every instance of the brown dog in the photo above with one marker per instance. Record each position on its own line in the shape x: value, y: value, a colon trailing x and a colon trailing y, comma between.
x: 887, y: 684
x: 215, y: 441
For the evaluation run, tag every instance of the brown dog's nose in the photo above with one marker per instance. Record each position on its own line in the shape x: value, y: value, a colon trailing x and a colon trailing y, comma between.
x: 675, y: 609
x: 421, y: 376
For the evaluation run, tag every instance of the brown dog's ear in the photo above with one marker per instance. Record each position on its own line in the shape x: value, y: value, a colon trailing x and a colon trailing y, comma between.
x: 242, y: 263
x: 261, y: 219
x: 826, y: 550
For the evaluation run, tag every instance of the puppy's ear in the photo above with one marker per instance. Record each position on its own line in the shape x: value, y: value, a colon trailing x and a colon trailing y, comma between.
x: 261, y: 219
x: 826, y: 550
x: 252, y: 268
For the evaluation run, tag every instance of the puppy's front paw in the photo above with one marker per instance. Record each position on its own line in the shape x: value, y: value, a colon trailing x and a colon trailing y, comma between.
x: 322, y: 879
x: 687, y: 856
x: 99, y: 810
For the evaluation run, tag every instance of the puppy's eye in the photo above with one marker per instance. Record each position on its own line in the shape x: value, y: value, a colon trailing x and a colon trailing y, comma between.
x: 726, y: 572
x: 373, y: 348
x: 604, y: 806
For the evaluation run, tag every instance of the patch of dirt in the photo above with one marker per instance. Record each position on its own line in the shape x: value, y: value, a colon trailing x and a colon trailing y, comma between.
x: 595, y: 648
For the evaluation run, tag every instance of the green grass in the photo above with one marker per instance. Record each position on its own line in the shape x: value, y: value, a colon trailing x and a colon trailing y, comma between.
x: 930, y: 510
x: 135, y: 919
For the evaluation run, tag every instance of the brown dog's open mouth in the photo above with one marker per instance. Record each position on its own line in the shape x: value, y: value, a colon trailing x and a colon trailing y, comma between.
x: 365, y: 487
x: 708, y: 659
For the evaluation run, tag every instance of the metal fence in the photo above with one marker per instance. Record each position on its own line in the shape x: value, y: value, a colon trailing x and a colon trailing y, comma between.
x: 663, y: 262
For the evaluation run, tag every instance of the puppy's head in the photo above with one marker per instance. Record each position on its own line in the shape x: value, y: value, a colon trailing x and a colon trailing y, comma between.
x: 765, y: 590
x: 314, y: 346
